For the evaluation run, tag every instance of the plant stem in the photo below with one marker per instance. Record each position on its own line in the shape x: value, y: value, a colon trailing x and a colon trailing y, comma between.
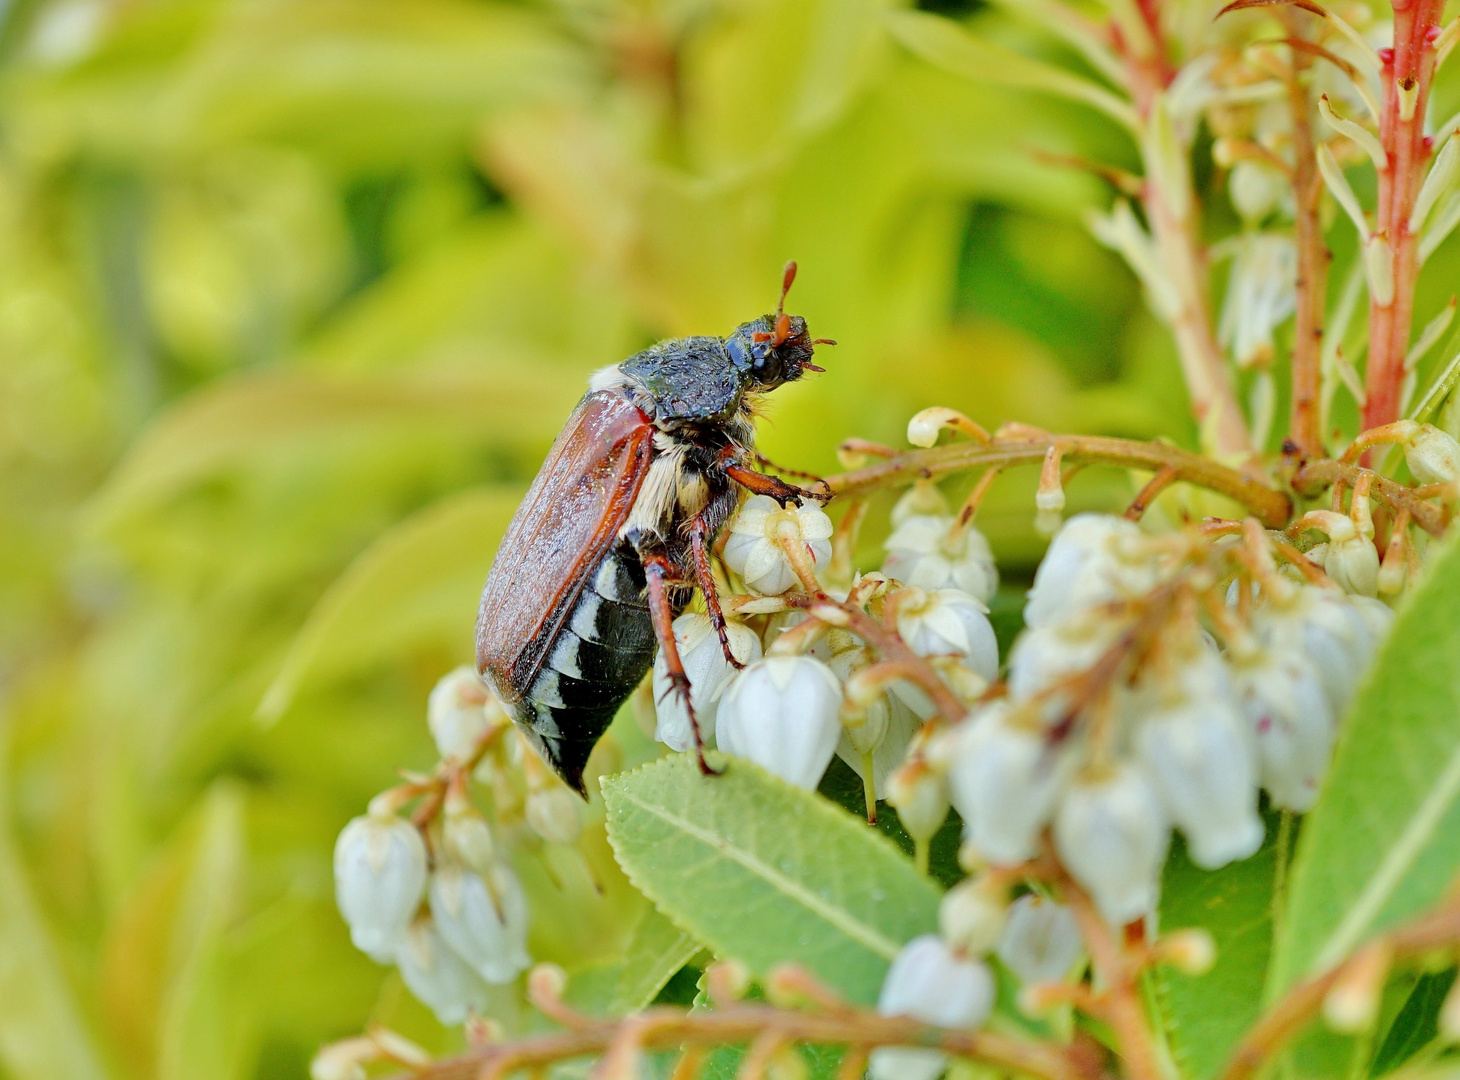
x: 1407, y: 74
x: 1173, y: 219
x: 1312, y: 477
x: 1313, y: 257
x: 666, y: 1028
x: 1271, y: 507
x: 1437, y: 929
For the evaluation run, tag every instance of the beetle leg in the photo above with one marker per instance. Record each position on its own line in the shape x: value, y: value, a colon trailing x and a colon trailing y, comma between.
x: 766, y: 463
x: 700, y: 551
x: 776, y: 488
x: 658, y: 574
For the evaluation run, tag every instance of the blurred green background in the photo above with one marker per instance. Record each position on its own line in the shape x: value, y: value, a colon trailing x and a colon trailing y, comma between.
x: 293, y: 298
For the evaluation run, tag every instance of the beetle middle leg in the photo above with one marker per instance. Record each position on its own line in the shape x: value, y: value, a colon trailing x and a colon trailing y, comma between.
x: 701, y: 532
x: 659, y: 575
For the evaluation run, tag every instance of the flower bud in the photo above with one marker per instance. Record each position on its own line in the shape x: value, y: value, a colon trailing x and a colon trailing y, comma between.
x: 883, y: 727
x: 1255, y: 189
x: 1292, y: 721
x: 1094, y: 559
x: 971, y: 917
x: 929, y: 982
x: 380, y: 868
x: 757, y: 532
x: 927, y: 551
x: 727, y: 981
x: 1111, y: 833
x: 949, y: 621
x: 552, y: 813
x: 1040, y: 942
x: 438, y: 977
x: 783, y: 713
x: 1199, y: 758
x: 460, y: 710
x: 1352, y: 1002
x: 920, y: 797
x: 483, y: 919
x: 344, y: 1060
x: 1191, y: 952
x: 709, y: 673
x: 1044, y: 655
x: 1433, y: 455
x: 1004, y: 781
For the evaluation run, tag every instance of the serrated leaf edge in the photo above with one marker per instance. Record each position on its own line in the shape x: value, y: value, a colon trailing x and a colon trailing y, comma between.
x: 874, y: 941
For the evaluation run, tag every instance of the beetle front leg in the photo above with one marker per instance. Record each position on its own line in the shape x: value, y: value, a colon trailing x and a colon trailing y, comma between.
x: 659, y: 574
x: 699, y: 546
x: 761, y: 484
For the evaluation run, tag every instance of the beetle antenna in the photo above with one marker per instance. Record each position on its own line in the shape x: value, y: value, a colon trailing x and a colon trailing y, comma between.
x: 787, y: 277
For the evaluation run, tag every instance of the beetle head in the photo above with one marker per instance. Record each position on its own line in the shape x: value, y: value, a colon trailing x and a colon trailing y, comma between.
x: 776, y: 348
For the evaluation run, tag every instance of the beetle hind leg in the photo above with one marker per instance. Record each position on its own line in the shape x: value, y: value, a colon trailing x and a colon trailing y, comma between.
x: 659, y: 574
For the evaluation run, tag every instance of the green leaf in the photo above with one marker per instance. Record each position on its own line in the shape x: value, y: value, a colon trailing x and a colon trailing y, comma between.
x: 1206, y: 1015
x: 767, y: 873
x: 947, y: 45
x: 43, y: 1031
x: 417, y: 582
x: 657, y: 950
x: 1383, y: 843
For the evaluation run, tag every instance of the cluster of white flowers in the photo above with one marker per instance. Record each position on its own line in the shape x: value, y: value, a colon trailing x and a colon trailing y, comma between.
x: 1183, y: 740
x: 944, y: 978
x: 441, y: 901
x: 798, y: 702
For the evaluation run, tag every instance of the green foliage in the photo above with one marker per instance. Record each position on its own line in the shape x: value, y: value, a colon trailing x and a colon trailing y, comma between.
x: 766, y: 873
x: 1384, y: 841
x: 1205, y: 1015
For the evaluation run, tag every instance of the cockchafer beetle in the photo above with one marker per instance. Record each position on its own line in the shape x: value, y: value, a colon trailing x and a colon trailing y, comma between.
x: 619, y: 525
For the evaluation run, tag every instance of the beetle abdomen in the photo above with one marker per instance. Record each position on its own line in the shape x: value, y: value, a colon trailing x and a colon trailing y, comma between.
x: 601, y: 652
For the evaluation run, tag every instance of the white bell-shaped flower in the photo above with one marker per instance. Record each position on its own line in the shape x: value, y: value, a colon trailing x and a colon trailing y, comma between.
x: 1043, y: 656
x: 437, y: 976
x: 929, y: 982
x: 757, y: 532
x: 1433, y: 455
x: 919, y: 793
x: 783, y: 713
x: 380, y: 869
x: 1093, y: 560
x: 709, y: 673
x: 949, y: 622
x: 552, y: 811
x: 483, y: 919
x: 1004, y: 779
x: 1112, y: 833
x: 1200, y: 758
x: 1292, y: 721
x: 1335, y: 634
x: 1041, y: 942
x: 971, y: 917
x: 460, y: 710
x: 927, y: 551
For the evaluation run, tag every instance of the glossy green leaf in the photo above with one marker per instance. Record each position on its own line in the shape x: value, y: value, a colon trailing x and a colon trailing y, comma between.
x: 1383, y: 843
x: 767, y: 873
x: 656, y: 951
x: 1206, y: 1015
